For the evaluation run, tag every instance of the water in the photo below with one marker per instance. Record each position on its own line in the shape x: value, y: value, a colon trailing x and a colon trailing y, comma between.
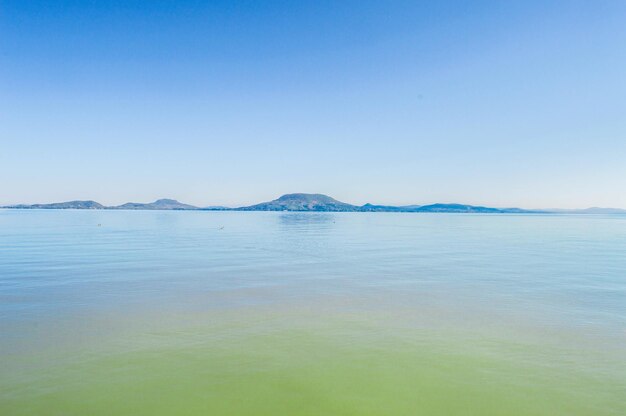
x: 251, y: 313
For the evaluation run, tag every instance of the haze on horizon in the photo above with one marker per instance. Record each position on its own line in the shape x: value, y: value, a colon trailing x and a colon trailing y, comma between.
x: 505, y: 104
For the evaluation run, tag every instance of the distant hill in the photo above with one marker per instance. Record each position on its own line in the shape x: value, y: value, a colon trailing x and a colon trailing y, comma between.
x: 165, y: 204
x: 62, y: 205
x: 302, y: 202
x: 449, y: 208
x: 460, y: 208
x: 319, y: 202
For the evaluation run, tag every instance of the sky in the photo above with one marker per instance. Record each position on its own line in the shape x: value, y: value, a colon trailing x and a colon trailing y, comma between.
x: 507, y: 103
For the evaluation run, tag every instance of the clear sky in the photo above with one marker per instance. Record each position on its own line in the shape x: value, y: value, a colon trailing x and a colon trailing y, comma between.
x: 509, y: 103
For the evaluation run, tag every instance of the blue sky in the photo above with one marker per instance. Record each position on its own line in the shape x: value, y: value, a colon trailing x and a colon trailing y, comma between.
x: 497, y: 103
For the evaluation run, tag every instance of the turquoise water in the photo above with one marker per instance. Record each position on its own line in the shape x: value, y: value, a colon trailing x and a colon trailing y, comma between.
x: 253, y: 313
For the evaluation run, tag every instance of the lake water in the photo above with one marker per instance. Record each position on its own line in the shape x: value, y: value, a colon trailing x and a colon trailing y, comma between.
x: 255, y: 313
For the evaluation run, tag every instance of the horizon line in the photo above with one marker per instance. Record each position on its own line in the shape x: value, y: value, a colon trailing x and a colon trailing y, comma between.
x: 230, y: 207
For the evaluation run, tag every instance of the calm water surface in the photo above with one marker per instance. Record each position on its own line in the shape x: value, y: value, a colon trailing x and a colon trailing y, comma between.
x: 252, y: 313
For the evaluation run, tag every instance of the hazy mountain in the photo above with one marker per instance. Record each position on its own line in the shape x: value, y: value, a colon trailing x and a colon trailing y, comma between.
x: 62, y: 205
x: 159, y: 204
x: 302, y: 202
x: 165, y: 204
x: 318, y: 202
x: 457, y: 208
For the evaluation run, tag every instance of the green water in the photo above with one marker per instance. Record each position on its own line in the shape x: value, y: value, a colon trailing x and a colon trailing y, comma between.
x: 338, y: 314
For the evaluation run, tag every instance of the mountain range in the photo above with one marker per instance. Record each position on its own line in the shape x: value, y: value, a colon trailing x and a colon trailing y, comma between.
x: 312, y: 202
x: 160, y: 204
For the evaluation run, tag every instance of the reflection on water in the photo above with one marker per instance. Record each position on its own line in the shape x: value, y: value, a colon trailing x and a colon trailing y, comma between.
x: 311, y: 313
x: 313, y: 218
x: 317, y: 221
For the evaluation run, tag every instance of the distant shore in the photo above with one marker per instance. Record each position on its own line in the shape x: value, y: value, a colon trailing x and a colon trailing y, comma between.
x: 301, y: 202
